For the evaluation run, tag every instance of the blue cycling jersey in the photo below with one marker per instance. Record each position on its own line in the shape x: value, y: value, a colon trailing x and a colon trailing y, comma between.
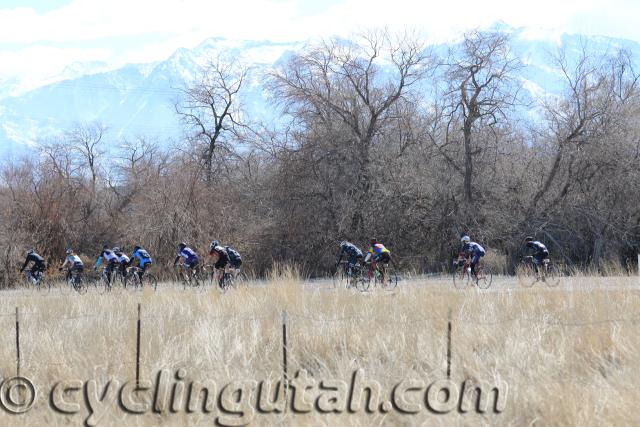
x: 473, y: 248
x: 142, y: 256
x: 188, y: 254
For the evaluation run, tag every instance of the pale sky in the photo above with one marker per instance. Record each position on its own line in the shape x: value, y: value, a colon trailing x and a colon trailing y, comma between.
x: 39, y: 38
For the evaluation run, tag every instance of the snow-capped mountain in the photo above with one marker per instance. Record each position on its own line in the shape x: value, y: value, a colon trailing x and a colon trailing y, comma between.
x: 139, y: 99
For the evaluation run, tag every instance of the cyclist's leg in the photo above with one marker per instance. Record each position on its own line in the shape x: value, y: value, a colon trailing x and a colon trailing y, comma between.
x: 474, y: 263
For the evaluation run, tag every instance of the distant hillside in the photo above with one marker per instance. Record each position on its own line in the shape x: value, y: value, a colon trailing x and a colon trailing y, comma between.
x: 138, y: 99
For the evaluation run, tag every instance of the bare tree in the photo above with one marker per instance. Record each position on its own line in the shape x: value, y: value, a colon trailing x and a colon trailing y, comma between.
x: 342, y: 85
x: 210, y: 107
x: 480, y: 89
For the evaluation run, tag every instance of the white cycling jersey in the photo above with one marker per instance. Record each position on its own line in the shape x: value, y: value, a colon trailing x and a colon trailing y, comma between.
x: 123, y: 259
x: 72, y: 260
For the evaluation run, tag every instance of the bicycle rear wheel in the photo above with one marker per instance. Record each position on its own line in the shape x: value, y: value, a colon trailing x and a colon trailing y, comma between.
x: 484, y: 278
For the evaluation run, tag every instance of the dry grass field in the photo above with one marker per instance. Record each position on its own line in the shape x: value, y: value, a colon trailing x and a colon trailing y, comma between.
x: 568, y: 355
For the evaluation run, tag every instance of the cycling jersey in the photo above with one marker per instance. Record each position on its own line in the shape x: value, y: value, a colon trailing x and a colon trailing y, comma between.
x: 122, y: 258
x: 72, y: 261
x: 473, y: 248
x: 537, y: 246
x: 106, y: 255
x: 234, y: 256
x: 221, y: 253
x: 142, y: 256
x: 378, y: 249
x: 352, y: 252
x: 189, y: 255
x: 38, y: 262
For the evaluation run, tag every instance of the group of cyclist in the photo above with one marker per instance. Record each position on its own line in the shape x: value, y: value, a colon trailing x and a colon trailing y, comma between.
x: 227, y: 258
x: 378, y: 256
x: 468, y: 250
x: 114, y: 260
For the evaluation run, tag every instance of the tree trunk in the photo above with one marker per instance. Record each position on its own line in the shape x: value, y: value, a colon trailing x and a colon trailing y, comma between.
x: 468, y: 165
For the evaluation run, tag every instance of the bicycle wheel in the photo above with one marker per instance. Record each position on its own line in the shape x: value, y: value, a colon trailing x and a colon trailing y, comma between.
x: 526, y: 275
x: 391, y: 279
x: 461, y: 278
x: 44, y: 286
x: 484, y: 277
x: 149, y: 280
x: 78, y: 285
x: 339, y: 279
x: 552, y: 276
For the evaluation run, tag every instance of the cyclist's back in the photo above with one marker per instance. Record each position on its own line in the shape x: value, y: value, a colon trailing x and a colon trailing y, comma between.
x: 189, y: 256
x: 379, y: 252
x: 234, y: 257
x: 540, y: 251
x: 353, y: 253
x: 37, y: 260
x: 72, y: 263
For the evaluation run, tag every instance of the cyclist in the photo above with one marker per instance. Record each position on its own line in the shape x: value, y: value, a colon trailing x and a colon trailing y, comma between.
x: 143, y: 258
x: 221, y: 257
x: 38, y: 266
x: 189, y: 256
x: 381, y: 256
x: 540, y: 251
x: 109, y: 258
x: 473, y: 250
x: 353, y: 253
x: 123, y: 261
x: 235, y: 260
x: 73, y: 263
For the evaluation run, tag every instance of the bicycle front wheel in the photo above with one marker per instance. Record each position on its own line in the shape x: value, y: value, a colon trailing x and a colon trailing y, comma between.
x: 551, y: 276
x: 150, y: 280
x: 461, y: 278
x: 43, y: 286
x: 389, y: 280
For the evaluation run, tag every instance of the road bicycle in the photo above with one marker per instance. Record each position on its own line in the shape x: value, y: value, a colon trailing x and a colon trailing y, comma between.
x: 530, y: 272
x: 464, y: 277
x: 189, y: 276
x: 382, y: 275
x: 350, y: 276
x: 37, y: 281
x: 75, y: 281
x: 133, y: 279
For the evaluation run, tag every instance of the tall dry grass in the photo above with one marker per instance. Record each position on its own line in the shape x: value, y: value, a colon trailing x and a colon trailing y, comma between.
x: 570, y: 356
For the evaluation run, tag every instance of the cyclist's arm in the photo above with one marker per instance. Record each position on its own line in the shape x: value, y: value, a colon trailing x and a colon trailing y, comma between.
x: 26, y: 261
x: 98, y: 262
x: 176, y: 260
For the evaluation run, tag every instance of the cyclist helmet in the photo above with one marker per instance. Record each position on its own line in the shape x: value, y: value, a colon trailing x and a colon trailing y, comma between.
x: 69, y: 251
x: 343, y: 243
x: 29, y: 251
x: 136, y: 247
x: 105, y: 247
x: 528, y: 239
x: 465, y: 239
x: 373, y: 241
x: 214, y: 244
x: 116, y: 250
x: 182, y: 245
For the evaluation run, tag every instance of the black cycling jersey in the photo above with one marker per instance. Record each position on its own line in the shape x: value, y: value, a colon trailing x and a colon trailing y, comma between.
x: 38, y: 262
x: 351, y: 250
